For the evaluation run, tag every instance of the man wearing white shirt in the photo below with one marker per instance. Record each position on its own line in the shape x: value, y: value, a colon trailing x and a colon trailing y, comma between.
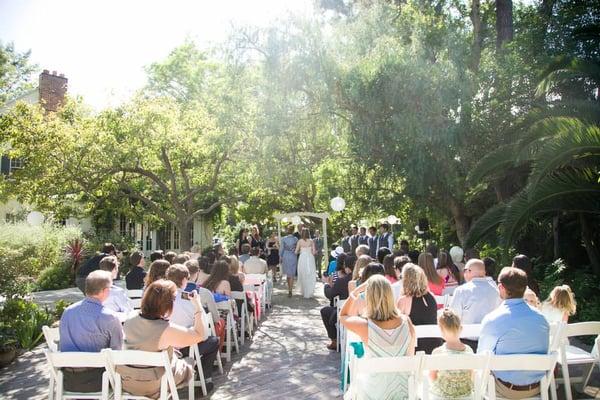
x: 117, y: 300
x: 255, y: 264
x: 478, y: 297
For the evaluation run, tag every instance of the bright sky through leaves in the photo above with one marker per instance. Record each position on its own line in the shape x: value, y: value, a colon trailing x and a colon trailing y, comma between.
x: 102, y: 46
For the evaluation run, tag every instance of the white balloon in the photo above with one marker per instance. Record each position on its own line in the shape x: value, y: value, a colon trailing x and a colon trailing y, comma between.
x: 35, y: 218
x: 392, y: 219
x: 296, y: 220
x: 417, y: 228
x: 338, y: 204
x: 284, y: 220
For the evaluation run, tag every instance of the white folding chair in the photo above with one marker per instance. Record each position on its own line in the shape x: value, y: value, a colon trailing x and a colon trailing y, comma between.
x: 59, y: 360
x: 135, y: 296
x: 338, y: 304
x: 230, y: 327
x: 168, y: 387
x: 197, y: 357
x: 213, y: 332
x: 433, y: 331
x: 249, y: 287
x: 378, y: 365
x: 572, y: 355
x: 441, y: 300
x: 524, y: 362
x: 52, y: 337
x: 478, y: 363
x: 245, y: 320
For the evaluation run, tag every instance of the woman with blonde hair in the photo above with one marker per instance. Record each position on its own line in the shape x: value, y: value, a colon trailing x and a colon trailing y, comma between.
x: 560, y: 304
x: 418, y: 303
x: 384, y: 331
x: 434, y: 281
x: 361, y: 264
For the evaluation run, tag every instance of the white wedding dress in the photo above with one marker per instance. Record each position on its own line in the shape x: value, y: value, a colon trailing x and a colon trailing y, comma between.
x: 307, y: 272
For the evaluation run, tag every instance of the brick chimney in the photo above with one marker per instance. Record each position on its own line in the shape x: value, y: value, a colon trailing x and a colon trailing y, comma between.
x: 53, y: 88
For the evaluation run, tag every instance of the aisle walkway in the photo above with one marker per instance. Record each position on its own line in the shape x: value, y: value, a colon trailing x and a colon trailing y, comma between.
x: 286, y: 358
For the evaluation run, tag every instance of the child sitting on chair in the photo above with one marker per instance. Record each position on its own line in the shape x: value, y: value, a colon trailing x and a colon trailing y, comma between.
x: 451, y: 384
x: 560, y: 304
x: 531, y: 298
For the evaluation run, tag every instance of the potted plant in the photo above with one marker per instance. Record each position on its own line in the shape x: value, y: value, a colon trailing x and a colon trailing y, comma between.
x: 8, y: 347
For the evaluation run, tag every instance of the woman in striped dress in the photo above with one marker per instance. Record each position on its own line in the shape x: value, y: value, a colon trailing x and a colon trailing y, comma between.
x: 385, y: 333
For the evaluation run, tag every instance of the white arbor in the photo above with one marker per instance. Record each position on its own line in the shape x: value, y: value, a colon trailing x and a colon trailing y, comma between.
x: 290, y: 216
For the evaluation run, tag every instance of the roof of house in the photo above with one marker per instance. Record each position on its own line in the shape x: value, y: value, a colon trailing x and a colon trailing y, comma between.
x: 31, y: 96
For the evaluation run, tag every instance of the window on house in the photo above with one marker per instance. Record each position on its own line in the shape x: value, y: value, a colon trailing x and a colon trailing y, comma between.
x: 148, y: 239
x: 176, y: 238
x: 132, y: 229
x: 192, y: 232
x: 13, y: 218
x: 140, y: 239
x: 123, y: 226
x: 15, y: 163
x: 168, y: 233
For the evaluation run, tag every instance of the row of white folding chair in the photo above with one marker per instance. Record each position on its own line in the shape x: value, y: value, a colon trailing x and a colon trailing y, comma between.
x: 417, y: 366
x: 572, y: 355
x: 110, y: 360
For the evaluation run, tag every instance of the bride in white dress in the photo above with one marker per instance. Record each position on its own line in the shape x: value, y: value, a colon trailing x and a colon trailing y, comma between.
x: 307, y: 271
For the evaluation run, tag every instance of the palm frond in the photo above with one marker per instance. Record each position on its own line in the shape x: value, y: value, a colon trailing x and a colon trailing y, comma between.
x: 568, y: 191
x: 564, y: 70
x: 497, y: 160
x: 485, y: 224
x: 574, y: 144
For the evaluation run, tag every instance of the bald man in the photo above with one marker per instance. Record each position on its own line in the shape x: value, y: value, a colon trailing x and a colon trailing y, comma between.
x: 476, y: 298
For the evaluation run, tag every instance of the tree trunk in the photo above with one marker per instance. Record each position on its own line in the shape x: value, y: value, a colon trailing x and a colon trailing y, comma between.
x: 504, y: 22
x: 555, y: 235
x: 462, y: 222
x: 588, y: 243
x: 477, y: 37
x: 185, y: 241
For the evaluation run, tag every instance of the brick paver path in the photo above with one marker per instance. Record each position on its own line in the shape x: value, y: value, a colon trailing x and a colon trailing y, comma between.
x: 286, y: 359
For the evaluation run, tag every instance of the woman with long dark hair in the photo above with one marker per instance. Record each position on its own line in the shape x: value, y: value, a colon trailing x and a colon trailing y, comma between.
x: 218, y: 281
x: 242, y: 239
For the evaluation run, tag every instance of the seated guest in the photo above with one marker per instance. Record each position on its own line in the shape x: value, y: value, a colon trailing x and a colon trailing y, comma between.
x: 531, y: 298
x: 136, y: 275
x: 329, y: 313
x: 245, y: 256
x: 362, y: 249
x: 451, y: 384
x: 339, y: 261
x: 399, y: 263
x: 523, y: 263
x: 193, y: 268
x: 88, y: 326
x: 255, y: 264
x: 404, y: 247
x: 560, y: 304
x: 156, y: 255
x: 388, y: 267
x: 180, y: 259
x: 418, y: 304
x: 204, y: 271
x: 152, y: 331
x: 93, y: 264
x: 490, y: 268
x: 358, y: 270
x: 435, y: 283
x: 117, y: 298
x: 381, y: 253
x: 414, y: 256
x: 384, y: 331
x: 218, y: 281
x: 170, y: 256
x: 373, y: 268
x: 236, y: 281
x: 514, y: 328
x: 157, y: 270
x: 183, y: 315
x: 476, y: 298
x: 448, y: 271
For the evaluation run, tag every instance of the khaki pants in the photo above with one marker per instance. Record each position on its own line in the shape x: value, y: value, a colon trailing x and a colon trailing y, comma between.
x: 505, y: 391
x: 146, y: 381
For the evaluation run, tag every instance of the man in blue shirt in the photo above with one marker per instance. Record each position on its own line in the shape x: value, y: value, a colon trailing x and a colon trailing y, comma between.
x: 514, y: 328
x: 87, y: 326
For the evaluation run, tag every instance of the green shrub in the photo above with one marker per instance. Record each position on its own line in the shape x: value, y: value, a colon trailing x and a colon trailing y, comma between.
x: 24, y: 319
x: 27, y: 250
x: 54, y: 277
x: 59, y: 308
